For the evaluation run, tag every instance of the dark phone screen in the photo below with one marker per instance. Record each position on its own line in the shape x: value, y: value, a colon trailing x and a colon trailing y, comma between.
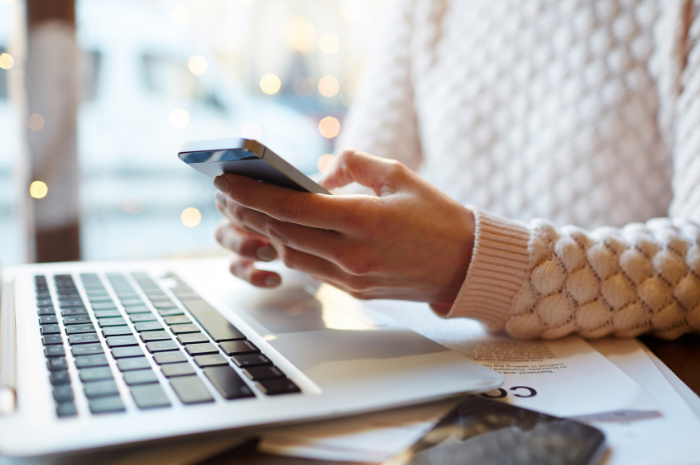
x: 486, y: 432
x: 216, y: 155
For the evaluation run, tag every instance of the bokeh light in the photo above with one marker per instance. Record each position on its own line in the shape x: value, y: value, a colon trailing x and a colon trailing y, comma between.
x: 270, y: 83
x: 329, y: 43
x: 329, y: 86
x: 329, y: 127
x: 325, y: 162
x: 197, y: 65
x: 38, y: 189
x: 36, y: 122
x: 190, y: 217
x: 179, y: 118
x: 300, y: 34
x: 6, y: 61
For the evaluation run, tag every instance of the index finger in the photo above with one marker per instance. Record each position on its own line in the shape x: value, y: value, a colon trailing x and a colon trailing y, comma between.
x: 336, y: 213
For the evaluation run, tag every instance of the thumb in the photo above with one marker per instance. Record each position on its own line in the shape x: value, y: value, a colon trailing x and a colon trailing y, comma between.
x: 379, y: 174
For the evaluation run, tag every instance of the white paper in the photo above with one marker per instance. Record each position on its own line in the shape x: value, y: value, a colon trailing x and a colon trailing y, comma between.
x: 565, y: 377
x: 670, y: 438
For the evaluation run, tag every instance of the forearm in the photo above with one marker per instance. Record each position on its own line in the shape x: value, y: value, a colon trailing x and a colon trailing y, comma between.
x: 538, y: 280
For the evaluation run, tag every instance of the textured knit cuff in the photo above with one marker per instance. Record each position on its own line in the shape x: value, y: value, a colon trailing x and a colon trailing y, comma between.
x: 497, y: 270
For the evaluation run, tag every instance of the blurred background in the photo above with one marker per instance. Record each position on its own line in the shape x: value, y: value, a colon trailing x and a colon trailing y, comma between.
x: 97, y: 95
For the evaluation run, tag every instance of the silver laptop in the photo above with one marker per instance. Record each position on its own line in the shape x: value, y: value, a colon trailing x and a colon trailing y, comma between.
x: 106, y: 354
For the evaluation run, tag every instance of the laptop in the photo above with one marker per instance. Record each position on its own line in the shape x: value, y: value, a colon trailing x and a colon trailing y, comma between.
x: 100, y: 355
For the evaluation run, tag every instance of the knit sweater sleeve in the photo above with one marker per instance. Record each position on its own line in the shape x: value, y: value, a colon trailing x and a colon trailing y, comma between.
x: 539, y: 280
x: 382, y: 119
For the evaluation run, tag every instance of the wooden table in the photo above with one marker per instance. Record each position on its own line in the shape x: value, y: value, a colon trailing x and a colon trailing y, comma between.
x: 682, y: 356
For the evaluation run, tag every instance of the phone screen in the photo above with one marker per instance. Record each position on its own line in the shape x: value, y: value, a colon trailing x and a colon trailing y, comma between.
x: 486, y: 432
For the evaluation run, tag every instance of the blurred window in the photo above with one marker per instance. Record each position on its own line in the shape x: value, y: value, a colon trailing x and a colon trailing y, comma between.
x: 92, y: 66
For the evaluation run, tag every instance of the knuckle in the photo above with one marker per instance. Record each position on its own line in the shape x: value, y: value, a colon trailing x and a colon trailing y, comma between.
x: 274, y: 232
x: 356, y: 262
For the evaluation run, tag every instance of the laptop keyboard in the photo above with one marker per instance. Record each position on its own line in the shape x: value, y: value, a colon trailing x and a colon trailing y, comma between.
x: 129, y: 327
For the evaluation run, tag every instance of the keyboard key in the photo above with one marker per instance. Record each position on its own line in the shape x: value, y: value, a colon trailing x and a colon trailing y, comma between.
x: 59, y: 377
x: 54, y: 351
x: 163, y: 304
x: 133, y: 378
x: 265, y: 372
x: 182, y: 329
x: 130, y: 351
x: 105, y: 322
x: 108, y: 313
x: 170, y: 312
x: 83, y: 338
x: 95, y: 374
x: 148, y: 326
x: 80, y: 329
x: 121, y: 341
x: 76, y: 320
x: 63, y: 393
x: 100, y: 389
x: 191, y: 390
x: 151, y: 336
x: 87, y: 349
x: 66, y: 409
x: 142, y: 317
x: 73, y: 311
x: 56, y: 363
x: 51, y: 339
x: 149, y: 396
x: 210, y: 360
x: 273, y: 387
x: 85, y: 361
x: 117, y: 331
x: 177, y: 320
x: 99, y: 297
x: 104, y: 306
x: 48, y: 319
x: 245, y: 361
x: 50, y: 329
x: 161, y: 346
x: 228, y: 383
x: 139, y: 309
x: 163, y: 358
x: 46, y: 311
x: 201, y: 349
x: 239, y: 347
x: 177, y: 369
x: 133, y: 363
x: 213, y: 322
x: 192, y: 338
x: 106, y: 404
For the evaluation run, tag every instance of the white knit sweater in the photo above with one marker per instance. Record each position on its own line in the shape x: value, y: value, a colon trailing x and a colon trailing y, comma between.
x: 544, y: 114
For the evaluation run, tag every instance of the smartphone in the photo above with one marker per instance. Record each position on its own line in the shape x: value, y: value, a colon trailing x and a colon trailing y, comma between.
x: 488, y: 432
x: 246, y: 157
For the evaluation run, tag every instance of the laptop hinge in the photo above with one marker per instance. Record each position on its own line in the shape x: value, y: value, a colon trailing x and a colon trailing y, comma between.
x: 8, y: 349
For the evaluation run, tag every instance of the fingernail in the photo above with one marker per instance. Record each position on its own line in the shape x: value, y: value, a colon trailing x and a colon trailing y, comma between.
x: 221, y: 198
x: 266, y: 253
x: 221, y: 183
x: 273, y: 281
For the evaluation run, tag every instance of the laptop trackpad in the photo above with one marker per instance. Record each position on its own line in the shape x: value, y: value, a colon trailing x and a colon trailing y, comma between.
x: 299, y: 309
